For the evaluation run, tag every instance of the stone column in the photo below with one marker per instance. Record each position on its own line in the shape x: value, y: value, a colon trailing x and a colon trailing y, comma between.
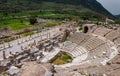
x: 9, y: 45
x: 38, y: 34
x: 35, y: 42
x: 23, y: 40
x: 22, y: 48
x: 4, y: 46
x: 4, y: 57
x: 30, y: 38
x: 18, y: 42
x: 49, y: 34
x: 41, y: 37
x: 26, y: 39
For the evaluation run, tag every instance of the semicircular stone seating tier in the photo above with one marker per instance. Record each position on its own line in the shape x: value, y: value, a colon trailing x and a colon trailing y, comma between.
x: 101, y: 31
x: 98, y: 50
x: 73, y: 49
x: 113, y: 35
x: 78, y: 38
x: 110, y: 34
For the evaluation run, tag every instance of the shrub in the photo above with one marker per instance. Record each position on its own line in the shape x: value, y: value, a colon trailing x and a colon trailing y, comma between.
x: 33, y: 20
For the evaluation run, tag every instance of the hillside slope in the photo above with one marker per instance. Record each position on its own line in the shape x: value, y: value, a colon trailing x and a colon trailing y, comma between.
x: 90, y: 4
x: 118, y: 16
x: 22, y: 5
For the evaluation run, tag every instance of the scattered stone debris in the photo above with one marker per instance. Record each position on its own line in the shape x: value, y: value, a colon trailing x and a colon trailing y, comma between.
x: 13, y: 70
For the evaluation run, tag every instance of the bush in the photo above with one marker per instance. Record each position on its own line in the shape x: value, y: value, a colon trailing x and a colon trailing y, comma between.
x: 33, y: 20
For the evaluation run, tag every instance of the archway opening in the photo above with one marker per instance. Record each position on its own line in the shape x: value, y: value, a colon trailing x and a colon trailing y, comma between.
x: 85, y: 29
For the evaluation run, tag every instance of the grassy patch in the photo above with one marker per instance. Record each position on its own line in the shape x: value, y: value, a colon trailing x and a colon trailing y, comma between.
x: 96, y: 19
x: 19, y: 21
x: 80, y: 28
x: 14, y: 24
x: 52, y: 23
x: 28, y: 33
x: 62, y: 59
x: 51, y: 11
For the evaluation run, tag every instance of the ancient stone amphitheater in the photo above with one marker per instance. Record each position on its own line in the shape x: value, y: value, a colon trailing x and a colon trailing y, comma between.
x: 93, y: 47
x: 95, y: 51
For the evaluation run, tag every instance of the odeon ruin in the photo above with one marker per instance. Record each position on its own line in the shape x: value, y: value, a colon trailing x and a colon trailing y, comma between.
x: 93, y: 46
